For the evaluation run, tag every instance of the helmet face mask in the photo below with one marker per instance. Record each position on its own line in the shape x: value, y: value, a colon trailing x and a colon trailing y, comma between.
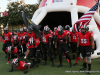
x: 60, y: 30
x: 24, y: 29
x: 55, y: 28
x: 31, y: 41
x: 73, y: 31
x: 30, y: 32
x: 5, y: 30
x: 46, y: 30
x: 83, y: 29
x: 21, y: 30
x: 25, y: 38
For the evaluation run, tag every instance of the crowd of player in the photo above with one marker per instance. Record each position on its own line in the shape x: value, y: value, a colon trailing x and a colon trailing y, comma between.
x: 57, y: 42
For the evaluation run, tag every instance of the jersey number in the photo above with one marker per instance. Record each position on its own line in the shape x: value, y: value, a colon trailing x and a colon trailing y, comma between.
x: 6, y: 38
x: 83, y: 41
x: 74, y: 37
x: 44, y: 39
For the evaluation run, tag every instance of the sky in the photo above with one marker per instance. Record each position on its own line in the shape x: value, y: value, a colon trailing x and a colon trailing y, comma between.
x: 3, y: 3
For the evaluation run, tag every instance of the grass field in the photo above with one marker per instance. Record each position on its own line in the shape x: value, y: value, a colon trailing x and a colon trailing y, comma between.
x: 48, y: 70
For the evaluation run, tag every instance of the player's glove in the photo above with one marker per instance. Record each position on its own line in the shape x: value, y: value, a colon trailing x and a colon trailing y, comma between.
x: 24, y: 59
x: 92, y: 51
x: 11, y: 70
x: 25, y: 72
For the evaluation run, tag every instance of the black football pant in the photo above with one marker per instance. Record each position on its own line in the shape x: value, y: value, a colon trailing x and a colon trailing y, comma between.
x: 46, y: 51
x: 5, y: 45
x: 61, y: 48
x: 24, y: 48
x: 35, y: 51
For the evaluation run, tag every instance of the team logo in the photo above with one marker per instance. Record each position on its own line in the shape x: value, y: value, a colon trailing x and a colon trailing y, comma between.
x: 58, y: 1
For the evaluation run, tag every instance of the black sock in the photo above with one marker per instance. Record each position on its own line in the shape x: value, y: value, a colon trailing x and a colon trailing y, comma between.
x: 60, y: 62
x: 85, y: 65
x: 33, y: 60
x: 73, y: 55
x: 52, y: 62
x: 89, y: 66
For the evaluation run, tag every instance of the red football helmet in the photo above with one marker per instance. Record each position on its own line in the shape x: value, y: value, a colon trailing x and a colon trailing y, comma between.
x: 24, y: 29
x: 21, y: 30
x: 31, y: 41
x: 15, y: 61
x: 55, y: 28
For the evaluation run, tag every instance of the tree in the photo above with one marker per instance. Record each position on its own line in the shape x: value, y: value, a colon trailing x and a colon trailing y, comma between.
x: 15, y: 12
x: 15, y: 9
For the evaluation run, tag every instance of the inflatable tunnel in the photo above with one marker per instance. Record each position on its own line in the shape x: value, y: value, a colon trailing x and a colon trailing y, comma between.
x: 67, y: 12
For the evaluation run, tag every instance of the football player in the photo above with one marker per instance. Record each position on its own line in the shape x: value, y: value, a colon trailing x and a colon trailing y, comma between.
x: 62, y: 45
x: 33, y: 46
x: 86, y: 41
x: 9, y: 51
x: 73, y: 38
x: 46, y: 40
x: 7, y: 37
x: 21, y: 65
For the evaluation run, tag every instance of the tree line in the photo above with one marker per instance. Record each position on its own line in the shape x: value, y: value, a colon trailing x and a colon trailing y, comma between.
x: 14, y: 13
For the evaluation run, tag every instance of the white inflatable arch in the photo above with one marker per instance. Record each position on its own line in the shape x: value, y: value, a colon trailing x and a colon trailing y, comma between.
x: 70, y: 6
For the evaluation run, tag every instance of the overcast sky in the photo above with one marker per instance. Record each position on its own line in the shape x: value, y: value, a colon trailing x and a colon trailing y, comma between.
x: 3, y: 3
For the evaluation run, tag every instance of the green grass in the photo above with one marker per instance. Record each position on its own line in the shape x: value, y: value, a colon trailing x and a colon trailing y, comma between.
x: 48, y: 70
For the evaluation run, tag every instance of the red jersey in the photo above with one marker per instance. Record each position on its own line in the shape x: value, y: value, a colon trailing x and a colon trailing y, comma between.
x: 38, y: 38
x: 31, y: 35
x: 85, y: 39
x: 51, y: 32
x: 66, y: 32
x: 74, y: 36
x: 26, y: 32
x: 23, y: 42
x: 45, y: 37
x: 21, y: 65
x: 21, y: 35
x: 14, y: 50
x: 12, y: 39
x: 37, y: 42
x: 55, y: 33
x: 7, y: 36
x: 59, y: 37
x: 10, y: 33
